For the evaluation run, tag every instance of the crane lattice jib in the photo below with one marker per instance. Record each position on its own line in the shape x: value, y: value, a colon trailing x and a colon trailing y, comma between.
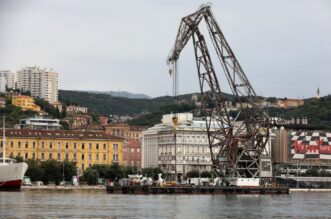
x: 236, y: 144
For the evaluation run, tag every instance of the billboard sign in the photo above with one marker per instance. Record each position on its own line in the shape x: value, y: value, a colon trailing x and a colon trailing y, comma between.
x: 310, y: 145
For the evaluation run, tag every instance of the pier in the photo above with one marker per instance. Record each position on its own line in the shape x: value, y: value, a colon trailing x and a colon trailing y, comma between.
x: 195, y: 190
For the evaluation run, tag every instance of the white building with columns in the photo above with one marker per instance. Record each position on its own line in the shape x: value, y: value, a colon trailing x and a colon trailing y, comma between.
x: 189, y: 152
x: 191, y: 149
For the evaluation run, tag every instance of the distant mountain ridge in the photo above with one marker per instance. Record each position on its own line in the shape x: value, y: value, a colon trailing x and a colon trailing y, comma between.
x: 122, y: 94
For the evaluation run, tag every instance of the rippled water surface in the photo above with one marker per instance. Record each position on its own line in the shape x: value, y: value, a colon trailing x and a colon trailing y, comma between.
x: 99, y: 204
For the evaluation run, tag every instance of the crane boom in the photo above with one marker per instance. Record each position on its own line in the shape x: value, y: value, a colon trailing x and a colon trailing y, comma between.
x: 235, y: 146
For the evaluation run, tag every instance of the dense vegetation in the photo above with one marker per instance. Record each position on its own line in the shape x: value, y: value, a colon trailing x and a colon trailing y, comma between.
x: 50, y: 171
x: 105, y: 104
x: 318, y: 112
x: 13, y: 114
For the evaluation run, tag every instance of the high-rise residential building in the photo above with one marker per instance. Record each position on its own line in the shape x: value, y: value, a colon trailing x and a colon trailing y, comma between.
x: 41, y: 82
x: 10, y: 78
x: 3, y: 84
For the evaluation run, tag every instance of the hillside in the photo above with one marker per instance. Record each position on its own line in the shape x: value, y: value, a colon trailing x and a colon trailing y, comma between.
x: 318, y: 111
x: 122, y: 94
x: 106, y: 104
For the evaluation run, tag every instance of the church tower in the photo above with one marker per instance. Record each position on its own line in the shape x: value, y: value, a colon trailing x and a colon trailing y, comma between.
x: 318, y: 93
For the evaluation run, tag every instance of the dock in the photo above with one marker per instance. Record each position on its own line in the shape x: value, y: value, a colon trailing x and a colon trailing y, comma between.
x: 196, y: 190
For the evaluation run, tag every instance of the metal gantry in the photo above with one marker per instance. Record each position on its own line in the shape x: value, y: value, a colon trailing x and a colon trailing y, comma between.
x: 235, y: 147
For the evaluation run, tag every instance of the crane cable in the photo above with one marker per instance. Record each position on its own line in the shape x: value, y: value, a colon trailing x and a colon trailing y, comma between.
x: 174, y: 73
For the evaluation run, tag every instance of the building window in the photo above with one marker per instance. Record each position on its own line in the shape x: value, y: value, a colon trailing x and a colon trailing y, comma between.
x: 75, y: 157
x: 11, y: 144
x: 82, y: 156
x: 138, y: 150
x: 19, y: 154
x: 50, y: 145
x: 104, y: 156
x: 97, y: 157
x: 82, y: 166
x: 104, y: 146
x: 58, y: 146
x: 132, y: 163
x: 115, y: 158
x: 75, y: 146
x: 67, y: 145
x: 90, y: 146
x: 132, y: 150
x: 42, y: 156
x: 67, y: 156
x: 42, y: 144
x: 83, y: 146
x: 115, y: 147
x: 58, y: 156
x: 26, y: 155
x: 33, y: 156
x: 19, y: 144
x: 26, y: 144
x: 89, y: 157
x: 97, y: 146
x: 33, y: 144
x: 50, y: 156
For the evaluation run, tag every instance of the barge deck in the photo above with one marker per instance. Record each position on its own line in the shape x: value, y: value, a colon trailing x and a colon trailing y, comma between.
x: 196, y: 190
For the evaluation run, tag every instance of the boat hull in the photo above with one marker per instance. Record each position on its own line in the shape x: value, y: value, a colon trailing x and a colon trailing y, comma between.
x: 11, y: 176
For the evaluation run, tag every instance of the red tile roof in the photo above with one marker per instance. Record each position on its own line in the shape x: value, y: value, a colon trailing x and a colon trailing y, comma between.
x: 61, y: 134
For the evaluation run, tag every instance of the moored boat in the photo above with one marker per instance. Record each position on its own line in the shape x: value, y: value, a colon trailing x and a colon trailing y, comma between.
x: 11, y: 174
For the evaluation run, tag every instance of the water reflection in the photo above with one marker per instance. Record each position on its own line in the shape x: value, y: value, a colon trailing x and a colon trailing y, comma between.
x: 98, y: 204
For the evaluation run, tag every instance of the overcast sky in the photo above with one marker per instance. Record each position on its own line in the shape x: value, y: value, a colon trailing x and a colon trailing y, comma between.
x: 283, y: 46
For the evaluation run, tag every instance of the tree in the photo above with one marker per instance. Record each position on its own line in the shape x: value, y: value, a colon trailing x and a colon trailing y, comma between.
x: 19, y: 159
x: 35, y: 171
x: 91, y: 176
x: 205, y: 174
x: 192, y: 174
x: 53, y: 171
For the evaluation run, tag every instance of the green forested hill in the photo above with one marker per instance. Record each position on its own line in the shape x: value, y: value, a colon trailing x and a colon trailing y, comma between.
x: 318, y: 111
x: 106, y: 104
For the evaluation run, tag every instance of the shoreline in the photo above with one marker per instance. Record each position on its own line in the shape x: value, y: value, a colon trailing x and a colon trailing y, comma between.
x: 103, y: 188
x: 308, y: 190
x: 63, y: 188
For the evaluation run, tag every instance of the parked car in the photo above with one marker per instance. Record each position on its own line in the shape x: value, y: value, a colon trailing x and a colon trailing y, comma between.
x: 26, y: 181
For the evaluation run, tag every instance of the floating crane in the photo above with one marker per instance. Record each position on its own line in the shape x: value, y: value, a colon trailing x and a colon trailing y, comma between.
x: 239, y: 141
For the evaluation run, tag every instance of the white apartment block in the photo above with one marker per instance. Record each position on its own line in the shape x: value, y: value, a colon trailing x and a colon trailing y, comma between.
x: 41, y: 82
x: 10, y: 78
x: 3, y: 83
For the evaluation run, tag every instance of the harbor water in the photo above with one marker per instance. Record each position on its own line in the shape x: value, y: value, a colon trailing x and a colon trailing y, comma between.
x: 99, y: 204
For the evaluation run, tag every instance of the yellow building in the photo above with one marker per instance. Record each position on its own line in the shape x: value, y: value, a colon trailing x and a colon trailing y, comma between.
x: 125, y: 131
x: 25, y: 102
x: 83, y: 148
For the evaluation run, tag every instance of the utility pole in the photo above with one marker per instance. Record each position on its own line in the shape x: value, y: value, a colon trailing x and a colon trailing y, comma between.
x: 64, y: 182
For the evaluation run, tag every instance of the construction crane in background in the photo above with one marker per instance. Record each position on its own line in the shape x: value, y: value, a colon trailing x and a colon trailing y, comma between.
x: 239, y: 141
